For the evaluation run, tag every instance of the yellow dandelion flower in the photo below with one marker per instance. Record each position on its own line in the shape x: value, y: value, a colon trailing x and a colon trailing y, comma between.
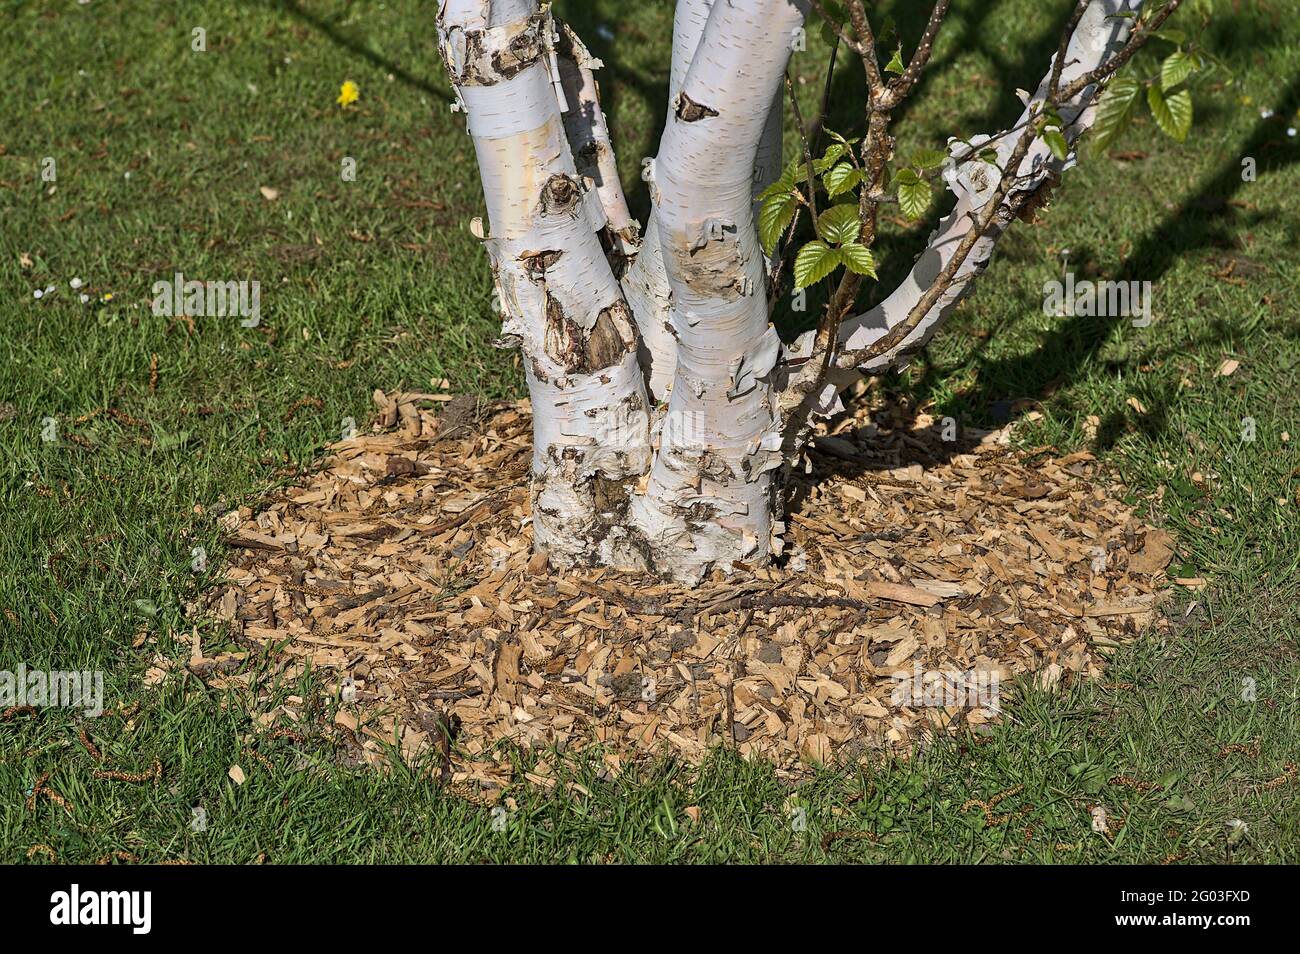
x: 348, y: 93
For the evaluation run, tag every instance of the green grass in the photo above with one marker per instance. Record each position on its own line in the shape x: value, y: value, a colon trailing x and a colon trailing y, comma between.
x: 377, y: 283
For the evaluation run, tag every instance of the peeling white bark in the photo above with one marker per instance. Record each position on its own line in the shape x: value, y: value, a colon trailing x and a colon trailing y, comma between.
x: 593, y: 153
x: 709, y: 497
x: 687, y: 324
x: 562, y: 303
x: 646, y: 283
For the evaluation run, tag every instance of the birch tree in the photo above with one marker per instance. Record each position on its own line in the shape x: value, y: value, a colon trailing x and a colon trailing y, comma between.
x: 668, y: 413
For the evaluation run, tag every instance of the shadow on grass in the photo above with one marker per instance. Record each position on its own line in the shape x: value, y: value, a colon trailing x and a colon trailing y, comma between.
x: 1198, y: 222
x: 1195, y: 224
x: 353, y: 45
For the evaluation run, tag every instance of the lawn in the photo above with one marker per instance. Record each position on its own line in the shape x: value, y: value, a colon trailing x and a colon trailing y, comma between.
x: 225, y: 164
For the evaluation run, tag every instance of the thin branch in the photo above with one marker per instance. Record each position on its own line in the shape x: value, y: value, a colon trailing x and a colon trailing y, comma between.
x: 900, y: 86
x: 807, y: 150
x: 1141, y: 33
x: 826, y: 96
x: 839, y: 32
x: 943, y: 281
x: 876, y: 151
x: 866, y: 48
x: 1062, y: 48
x: 774, y: 278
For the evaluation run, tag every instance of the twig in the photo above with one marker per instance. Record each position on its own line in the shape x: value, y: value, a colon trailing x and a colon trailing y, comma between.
x: 1058, y: 64
x: 765, y: 601
x: 838, y: 30
x: 866, y: 48
x: 807, y: 151
x: 826, y: 96
x: 901, y: 85
x: 90, y: 746
x: 454, y: 694
x: 1141, y: 33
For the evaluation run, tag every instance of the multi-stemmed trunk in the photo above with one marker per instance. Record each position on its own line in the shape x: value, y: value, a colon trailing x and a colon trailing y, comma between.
x: 666, y: 407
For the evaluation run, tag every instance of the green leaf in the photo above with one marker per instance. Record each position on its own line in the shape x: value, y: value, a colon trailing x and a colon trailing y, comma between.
x: 858, y: 258
x: 895, y: 64
x: 1056, y: 142
x: 841, y: 178
x: 1114, y: 111
x: 1172, y: 114
x: 790, y: 175
x: 781, y: 186
x: 814, y: 262
x: 927, y: 159
x: 888, y: 31
x: 832, y: 154
x: 913, y: 194
x: 1176, y: 68
x: 839, y: 223
x: 773, y: 217
x: 796, y: 170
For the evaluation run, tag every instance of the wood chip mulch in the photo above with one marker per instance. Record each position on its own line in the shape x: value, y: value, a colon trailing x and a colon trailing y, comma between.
x: 403, y: 571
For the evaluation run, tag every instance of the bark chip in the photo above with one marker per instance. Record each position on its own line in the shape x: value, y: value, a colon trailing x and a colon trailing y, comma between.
x: 689, y: 111
x: 560, y: 195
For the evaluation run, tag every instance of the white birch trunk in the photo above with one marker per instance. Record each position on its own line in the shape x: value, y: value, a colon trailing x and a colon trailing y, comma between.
x: 562, y: 303
x: 646, y: 283
x: 694, y: 299
x: 709, y: 497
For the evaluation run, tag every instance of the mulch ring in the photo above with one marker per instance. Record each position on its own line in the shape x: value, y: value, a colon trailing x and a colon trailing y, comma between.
x: 917, y: 570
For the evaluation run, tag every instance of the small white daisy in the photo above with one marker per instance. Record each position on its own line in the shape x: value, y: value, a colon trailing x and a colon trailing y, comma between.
x: 75, y: 283
x: 1265, y: 114
x: 37, y: 293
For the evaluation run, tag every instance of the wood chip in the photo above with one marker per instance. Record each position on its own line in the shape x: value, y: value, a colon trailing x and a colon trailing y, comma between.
x: 403, y: 573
